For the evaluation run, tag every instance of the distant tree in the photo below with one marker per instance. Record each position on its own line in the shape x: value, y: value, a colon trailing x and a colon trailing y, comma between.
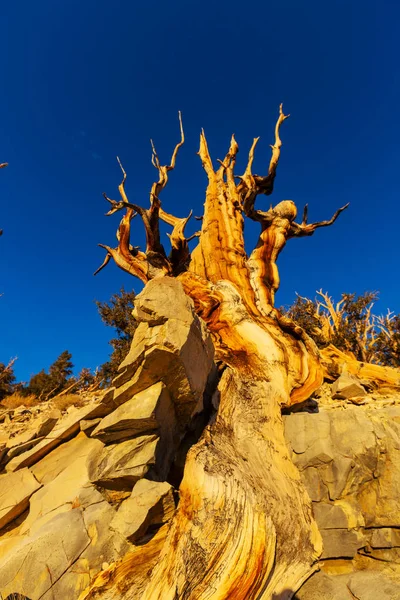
x: 388, y: 342
x: 117, y: 313
x: 39, y: 384
x: 7, y: 379
x: 46, y: 385
x: 61, y: 370
x: 85, y: 379
x: 350, y: 325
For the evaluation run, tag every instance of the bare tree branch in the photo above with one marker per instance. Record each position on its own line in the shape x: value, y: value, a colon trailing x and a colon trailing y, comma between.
x: 301, y: 230
x: 253, y: 185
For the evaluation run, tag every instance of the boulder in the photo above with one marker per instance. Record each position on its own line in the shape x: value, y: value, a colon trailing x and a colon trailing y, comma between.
x: 120, y: 466
x: 65, y: 429
x: 347, y: 387
x: 87, y: 425
x: 322, y: 586
x: 385, y: 537
x: 349, y: 461
x: 39, y: 560
x: 59, y: 459
x: 363, y: 585
x: 341, y: 543
x: 15, y: 491
x: 70, y: 489
x: 367, y: 585
x: 329, y: 516
x: 151, y: 503
x: 171, y: 345
x: 148, y: 411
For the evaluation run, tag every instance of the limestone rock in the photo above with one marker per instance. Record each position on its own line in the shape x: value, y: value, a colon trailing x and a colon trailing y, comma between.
x: 347, y: 386
x: 159, y: 303
x: 385, y: 537
x: 70, y: 489
x: 329, y: 516
x: 366, y: 585
x: 39, y: 560
x: 151, y: 503
x: 121, y: 465
x: 324, y: 587
x: 147, y: 412
x: 349, y: 461
x: 363, y: 585
x: 171, y: 345
x: 65, y: 429
x: 63, y: 456
x: 15, y: 491
x: 341, y: 543
x: 87, y: 425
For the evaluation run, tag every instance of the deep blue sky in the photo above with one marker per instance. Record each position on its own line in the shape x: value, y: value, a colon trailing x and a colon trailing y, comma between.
x: 84, y: 81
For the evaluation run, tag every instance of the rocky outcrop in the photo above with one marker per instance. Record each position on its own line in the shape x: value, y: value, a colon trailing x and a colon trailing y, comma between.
x: 81, y: 490
x: 349, y: 461
x: 15, y: 491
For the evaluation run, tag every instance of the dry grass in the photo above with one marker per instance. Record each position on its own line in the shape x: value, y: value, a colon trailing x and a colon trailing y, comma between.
x: 16, y: 399
x: 67, y: 400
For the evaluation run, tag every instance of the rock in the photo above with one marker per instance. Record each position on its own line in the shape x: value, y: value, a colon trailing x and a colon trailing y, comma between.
x: 151, y: 503
x: 70, y: 489
x: 366, y: 585
x: 341, y: 543
x: 105, y: 544
x: 33, y: 565
x: 324, y: 587
x: 163, y: 300
x: 171, y: 345
x: 359, y: 400
x: 15, y: 491
x: 379, y: 499
x: 341, y: 445
x: 121, y: 465
x: 329, y: 516
x: 36, y: 431
x: 65, y: 429
x: 146, y: 412
x: 63, y: 456
x: 384, y: 537
x: 87, y: 425
x: 347, y: 386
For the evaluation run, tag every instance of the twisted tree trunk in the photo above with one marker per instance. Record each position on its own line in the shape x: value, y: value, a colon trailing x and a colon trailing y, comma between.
x: 243, y: 528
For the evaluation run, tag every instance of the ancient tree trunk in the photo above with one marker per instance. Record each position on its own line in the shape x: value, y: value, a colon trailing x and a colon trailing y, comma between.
x: 243, y: 527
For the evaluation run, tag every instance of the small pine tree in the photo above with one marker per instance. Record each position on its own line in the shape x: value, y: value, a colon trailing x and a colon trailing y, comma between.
x: 46, y: 385
x: 61, y: 370
x: 85, y: 378
x: 7, y: 379
x: 39, y: 384
x: 117, y: 313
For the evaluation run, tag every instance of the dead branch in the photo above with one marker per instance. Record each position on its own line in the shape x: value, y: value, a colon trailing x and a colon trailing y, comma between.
x: 129, y: 258
x: 180, y: 255
x: 253, y: 185
x: 8, y: 368
x: 303, y: 229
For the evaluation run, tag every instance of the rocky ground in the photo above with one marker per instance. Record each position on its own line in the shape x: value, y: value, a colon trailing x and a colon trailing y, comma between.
x: 83, y: 490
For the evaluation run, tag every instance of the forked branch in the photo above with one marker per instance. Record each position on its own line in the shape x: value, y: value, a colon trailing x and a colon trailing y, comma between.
x: 253, y: 185
x: 153, y: 261
x: 303, y: 229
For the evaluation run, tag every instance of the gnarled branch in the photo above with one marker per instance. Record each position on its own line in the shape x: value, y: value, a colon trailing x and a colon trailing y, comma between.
x: 253, y: 185
x: 304, y: 229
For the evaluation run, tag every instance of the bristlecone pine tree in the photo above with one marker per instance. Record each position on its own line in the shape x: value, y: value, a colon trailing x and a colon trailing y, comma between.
x: 243, y: 529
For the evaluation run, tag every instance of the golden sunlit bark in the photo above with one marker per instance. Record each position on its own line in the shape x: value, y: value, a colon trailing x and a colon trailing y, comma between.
x: 243, y: 528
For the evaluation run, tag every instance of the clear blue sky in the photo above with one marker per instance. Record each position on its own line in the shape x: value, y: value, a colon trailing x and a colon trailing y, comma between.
x: 84, y: 81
